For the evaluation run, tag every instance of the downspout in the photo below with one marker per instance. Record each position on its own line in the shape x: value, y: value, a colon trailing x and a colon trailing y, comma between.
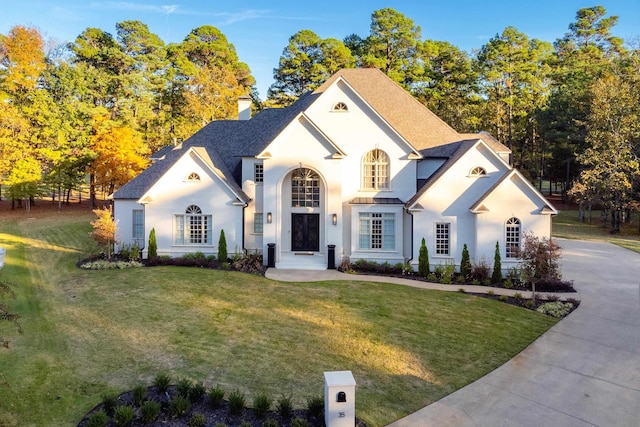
x: 411, y: 250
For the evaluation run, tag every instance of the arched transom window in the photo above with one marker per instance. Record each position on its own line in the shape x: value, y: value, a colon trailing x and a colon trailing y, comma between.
x: 375, y: 170
x: 340, y: 107
x: 192, y: 227
x: 193, y: 177
x: 478, y: 171
x: 305, y: 188
x: 512, y: 237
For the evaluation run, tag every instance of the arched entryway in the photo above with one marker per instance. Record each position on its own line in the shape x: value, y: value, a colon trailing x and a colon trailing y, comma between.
x: 303, y: 207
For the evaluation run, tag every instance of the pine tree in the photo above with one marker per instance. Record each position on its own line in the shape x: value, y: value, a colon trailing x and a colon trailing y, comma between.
x: 153, y: 245
x: 465, y: 263
x: 496, y: 277
x: 222, y: 247
x: 423, y: 260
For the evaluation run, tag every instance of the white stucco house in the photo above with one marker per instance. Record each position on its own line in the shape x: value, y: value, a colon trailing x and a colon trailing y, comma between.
x: 358, y: 163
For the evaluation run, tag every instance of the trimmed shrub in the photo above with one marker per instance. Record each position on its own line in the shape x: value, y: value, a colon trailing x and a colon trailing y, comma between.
x: 503, y: 298
x: 197, y: 420
x: 152, y: 252
x: 423, y: 260
x: 315, y: 406
x: 496, y: 276
x: 98, y: 419
x: 261, y: 405
x: 220, y: 424
x: 161, y: 382
x: 222, y: 248
x: 216, y: 394
x: 139, y: 392
x: 517, y: 296
x: 237, y: 402
x: 270, y: 423
x: 530, y: 304
x: 284, y: 407
x: 184, y: 387
x: 197, y: 392
x: 300, y: 422
x: 149, y: 411
x: 109, y: 401
x: 179, y: 406
x: 123, y: 415
x: 103, y: 264
x: 465, y: 263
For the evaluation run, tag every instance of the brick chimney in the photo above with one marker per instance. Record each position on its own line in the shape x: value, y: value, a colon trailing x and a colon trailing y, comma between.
x: 244, y: 107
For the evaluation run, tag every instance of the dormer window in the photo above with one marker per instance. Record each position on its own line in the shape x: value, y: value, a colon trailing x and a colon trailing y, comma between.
x: 193, y: 177
x: 478, y: 171
x: 340, y: 107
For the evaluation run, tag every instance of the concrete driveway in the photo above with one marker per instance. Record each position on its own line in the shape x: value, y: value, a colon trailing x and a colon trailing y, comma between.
x: 585, y: 371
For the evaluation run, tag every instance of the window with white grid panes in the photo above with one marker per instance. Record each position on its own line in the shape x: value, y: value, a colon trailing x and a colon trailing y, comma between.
x: 442, y: 238
x: 377, y: 231
x: 375, y: 170
x: 192, y: 227
x: 512, y: 237
x: 305, y: 189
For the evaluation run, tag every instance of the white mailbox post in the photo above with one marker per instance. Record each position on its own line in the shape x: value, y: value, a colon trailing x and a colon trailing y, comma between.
x: 2, y: 253
x: 339, y: 399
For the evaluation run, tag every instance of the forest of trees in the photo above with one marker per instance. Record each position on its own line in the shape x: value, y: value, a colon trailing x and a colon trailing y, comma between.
x: 568, y: 109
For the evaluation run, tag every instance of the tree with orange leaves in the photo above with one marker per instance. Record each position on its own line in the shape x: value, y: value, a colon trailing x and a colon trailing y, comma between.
x: 120, y: 154
x: 22, y: 60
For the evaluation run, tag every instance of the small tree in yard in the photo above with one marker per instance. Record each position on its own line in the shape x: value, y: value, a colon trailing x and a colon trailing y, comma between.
x: 423, y: 260
x: 153, y: 245
x: 496, y: 277
x: 222, y: 248
x: 104, y: 229
x: 465, y: 263
x: 539, y: 257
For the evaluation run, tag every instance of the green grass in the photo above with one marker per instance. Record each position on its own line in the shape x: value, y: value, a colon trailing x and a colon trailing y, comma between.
x: 91, y: 332
x: 567, y: 225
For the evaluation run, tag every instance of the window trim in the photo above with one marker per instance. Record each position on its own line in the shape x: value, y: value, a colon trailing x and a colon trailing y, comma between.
x: 258, y: 218
x: 340, y: 107
x: 477, y: 172
x: 135, y: 225
x: 510, y: 241
x: 258, y: 175
x: 385, y: 235
x: 439, y: 239
x: 307, y: 195
x: 374, y: 164
x: 184, y: 232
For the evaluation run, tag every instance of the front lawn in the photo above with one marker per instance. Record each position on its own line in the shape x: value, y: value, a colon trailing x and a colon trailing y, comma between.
x: 91, y: 332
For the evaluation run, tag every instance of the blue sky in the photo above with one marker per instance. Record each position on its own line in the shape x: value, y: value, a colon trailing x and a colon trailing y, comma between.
x: 260, y: 29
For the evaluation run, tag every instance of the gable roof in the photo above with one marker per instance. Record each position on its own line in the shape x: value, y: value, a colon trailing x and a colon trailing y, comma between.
x: 199, y: 143
x: 491, y: 141
x: 479, y: 207
x: 410, y: 118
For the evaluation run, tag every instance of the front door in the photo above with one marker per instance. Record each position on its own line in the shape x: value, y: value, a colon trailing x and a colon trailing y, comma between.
x: 305, y: 234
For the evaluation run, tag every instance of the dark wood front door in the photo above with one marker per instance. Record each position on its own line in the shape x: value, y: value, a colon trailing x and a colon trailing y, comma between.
x: 305, y: 234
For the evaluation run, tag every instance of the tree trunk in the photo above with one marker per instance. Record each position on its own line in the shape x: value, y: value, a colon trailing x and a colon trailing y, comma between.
x: 92, y: 190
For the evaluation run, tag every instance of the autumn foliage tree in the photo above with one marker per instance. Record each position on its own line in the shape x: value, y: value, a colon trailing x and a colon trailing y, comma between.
x: 104, y: 230
x: 120, y: 154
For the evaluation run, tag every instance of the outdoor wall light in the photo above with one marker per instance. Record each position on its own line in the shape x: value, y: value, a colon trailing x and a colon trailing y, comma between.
x: 269, y: 217
x: 334, y: 219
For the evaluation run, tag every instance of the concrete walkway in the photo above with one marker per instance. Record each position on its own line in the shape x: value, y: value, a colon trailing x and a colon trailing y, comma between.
x: 585, y: 371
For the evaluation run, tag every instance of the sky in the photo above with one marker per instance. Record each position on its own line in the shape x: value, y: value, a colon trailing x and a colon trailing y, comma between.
x: 260, y: 30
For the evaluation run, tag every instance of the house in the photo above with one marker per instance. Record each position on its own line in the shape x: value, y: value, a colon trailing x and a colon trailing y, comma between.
x: 357, y: 169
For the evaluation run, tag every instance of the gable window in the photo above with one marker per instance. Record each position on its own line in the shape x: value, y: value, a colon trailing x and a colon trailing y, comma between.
x: 258, y: 222
x: 340, y: 107
x: 258, y: 173
x: 138, y: 224
x: 375, y: 170
x: 193, y: 177
x: 478, y: 171
x: 305, y: 189
x: 442, y: 238
x: 512, y: 237
x: 192, y: 227
x: 377, y: 231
